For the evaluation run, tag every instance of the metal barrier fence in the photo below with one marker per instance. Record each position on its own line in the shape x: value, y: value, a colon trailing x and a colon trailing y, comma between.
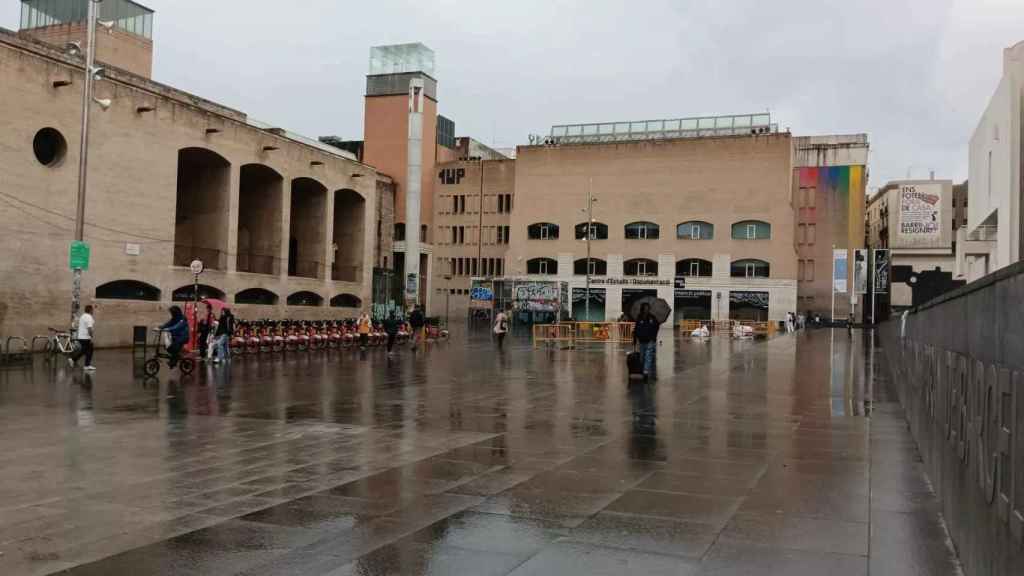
x: 614, y: 332
x: 738, y: 328
x: 556, y: 333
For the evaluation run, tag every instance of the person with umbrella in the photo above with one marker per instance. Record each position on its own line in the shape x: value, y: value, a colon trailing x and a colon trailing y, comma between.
x: 645, y: 335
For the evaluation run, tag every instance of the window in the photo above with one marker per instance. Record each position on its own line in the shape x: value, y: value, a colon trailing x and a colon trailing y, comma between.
x: 346, y: 301
x: 751, y: 230
x: 462, y: 204
x: 693, y: 267
x: 640, y: 267
x: 749, y: 268
x: 423, y: 233
x: 451, y: 267
x: 598, y: 231
x: 542, y: 231
x: 501, y: 266
x: 504, y: 203
x: 809, y: 270
x: 473, y: 265
x: 257, y: 296
x: 455, y: 204
x: 597, y: 267
x: 642, y: 231
x: 399, y: 232
x: 459, y: 267
x: 801, y: 234
x: 695, y: 230
x: 305, y: 298
x: 811, y: 233
x: 128, y: 290
x: 462, y: 234
x: 542, y: 266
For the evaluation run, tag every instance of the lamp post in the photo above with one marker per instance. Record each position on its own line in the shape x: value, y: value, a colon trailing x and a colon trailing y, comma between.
x: 447, y: 297
x: 83, y: 154
x: 589, y: 231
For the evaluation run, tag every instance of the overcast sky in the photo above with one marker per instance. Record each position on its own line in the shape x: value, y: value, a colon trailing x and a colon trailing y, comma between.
x: 914, y: 74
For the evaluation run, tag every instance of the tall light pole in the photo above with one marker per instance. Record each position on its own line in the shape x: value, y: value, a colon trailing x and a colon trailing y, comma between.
x: 83, y: 153
x: 590, y: 226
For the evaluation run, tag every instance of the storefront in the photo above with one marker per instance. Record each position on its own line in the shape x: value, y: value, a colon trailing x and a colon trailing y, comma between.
x: 594, y: 311
x: 692, y: 305
x: 750, y: 306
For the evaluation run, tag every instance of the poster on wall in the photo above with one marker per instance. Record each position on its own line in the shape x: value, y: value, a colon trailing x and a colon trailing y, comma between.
x: 839, y: 271
x: 920, y: 215
x: 860, y: 271
x: 881, y: 271
x: 481, y: 294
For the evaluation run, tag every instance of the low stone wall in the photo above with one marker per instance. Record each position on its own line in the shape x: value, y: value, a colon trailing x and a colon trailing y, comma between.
x: 958, y: 365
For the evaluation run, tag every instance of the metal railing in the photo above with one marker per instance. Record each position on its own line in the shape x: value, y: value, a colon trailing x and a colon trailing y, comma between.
x: 695, y: 127
x: 258, y: 264
x: 571, y: 333
x: 212, y: 259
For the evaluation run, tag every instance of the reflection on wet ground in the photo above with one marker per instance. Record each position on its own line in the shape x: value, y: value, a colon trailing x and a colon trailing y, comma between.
x: 783, y: 457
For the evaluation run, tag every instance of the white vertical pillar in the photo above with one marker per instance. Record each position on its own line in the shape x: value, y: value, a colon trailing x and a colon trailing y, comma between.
x: 413, y: 185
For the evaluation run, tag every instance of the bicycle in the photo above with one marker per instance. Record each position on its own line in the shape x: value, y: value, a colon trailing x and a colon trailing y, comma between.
x: 152, y: 364
x: 58, y: 342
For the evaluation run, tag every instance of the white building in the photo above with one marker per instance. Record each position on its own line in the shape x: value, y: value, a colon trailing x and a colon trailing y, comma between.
x: 992, y: 238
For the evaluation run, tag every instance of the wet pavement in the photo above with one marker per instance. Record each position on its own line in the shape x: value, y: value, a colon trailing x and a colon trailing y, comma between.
x: 784, y: 457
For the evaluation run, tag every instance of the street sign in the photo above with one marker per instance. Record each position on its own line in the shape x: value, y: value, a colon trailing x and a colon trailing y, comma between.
x: 78, y: 256
x: 196, y: 267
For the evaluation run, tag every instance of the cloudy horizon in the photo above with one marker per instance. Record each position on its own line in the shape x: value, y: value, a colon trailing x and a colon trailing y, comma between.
x: 914, y: 75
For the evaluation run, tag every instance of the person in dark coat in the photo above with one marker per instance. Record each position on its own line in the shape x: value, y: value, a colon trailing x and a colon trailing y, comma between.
x: 177, y: 326
x: 391, y: 326
x: 645, y: 336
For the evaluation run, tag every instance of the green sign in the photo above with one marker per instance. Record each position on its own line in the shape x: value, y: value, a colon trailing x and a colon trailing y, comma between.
x: 78, y: 256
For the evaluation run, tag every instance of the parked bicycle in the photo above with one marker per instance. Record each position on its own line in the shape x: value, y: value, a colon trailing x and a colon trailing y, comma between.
x: 57, y: 343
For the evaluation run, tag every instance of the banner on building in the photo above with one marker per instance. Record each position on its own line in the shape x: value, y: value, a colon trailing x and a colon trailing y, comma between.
x: 860, y: 271
x: 920, y: 214
x: 839, y: 271
x: 881, y: 260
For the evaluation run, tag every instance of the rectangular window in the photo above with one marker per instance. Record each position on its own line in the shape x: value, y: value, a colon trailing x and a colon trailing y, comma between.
x: 809, y: 271
x: 455, y: 235
x: 592, y: 265
x: 800, y: 270
x: 451, y: 266
x: 811, y: 233
x: 641, y: 268
x: 508, y: 202
x: 462, y: 204
x: 751, y: 231
x: 458, y: 267
x: 473, y: 266
x: 694, y: 268
x: 501, y: 204
x: 695, y: 232
x: 543, y: 267
x: 455, y: 204
x: 801, y: 234
x: 462, y: 234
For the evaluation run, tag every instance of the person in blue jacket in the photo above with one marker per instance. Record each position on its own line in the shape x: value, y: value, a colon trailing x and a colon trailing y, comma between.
x: 177, y: 326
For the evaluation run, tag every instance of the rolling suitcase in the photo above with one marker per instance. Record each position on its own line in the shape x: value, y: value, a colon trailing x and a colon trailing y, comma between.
x: 635, y: 364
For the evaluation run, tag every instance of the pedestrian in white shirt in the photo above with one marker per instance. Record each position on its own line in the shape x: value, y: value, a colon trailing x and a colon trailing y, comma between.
x: 84, y: 335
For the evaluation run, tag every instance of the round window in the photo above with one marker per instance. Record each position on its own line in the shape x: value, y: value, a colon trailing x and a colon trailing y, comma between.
x: 49, y: 146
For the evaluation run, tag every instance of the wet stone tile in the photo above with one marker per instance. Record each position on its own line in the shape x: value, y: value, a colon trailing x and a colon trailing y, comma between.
x: 687, y: 507
x: 575, y: 559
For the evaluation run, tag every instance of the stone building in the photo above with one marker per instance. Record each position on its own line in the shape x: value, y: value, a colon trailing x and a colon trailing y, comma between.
x: 829, y: 188
x: 696, y: 211
x: 285, y: 225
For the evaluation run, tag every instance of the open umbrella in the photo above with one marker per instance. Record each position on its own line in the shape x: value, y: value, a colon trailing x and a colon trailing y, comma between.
x: 659, y: 308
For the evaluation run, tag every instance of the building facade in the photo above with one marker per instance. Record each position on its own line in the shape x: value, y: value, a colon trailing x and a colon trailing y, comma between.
x: 829, y: 183
x: 993, y: 236
x: 473, y: 201
x: 916, y: 221
x: 700, y: 216
x: 284, y: 225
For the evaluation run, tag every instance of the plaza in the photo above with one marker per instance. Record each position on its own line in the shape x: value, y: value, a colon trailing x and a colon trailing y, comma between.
x: 781, y: 456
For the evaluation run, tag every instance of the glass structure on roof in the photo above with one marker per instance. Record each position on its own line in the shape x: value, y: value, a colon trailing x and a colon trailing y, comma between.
x: 125, y: 14
x: 697, y: 127
x: 401, y: 59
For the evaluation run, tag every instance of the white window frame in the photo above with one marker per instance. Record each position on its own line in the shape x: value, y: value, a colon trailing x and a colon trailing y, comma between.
x: 751, y: 231
x: 694, y: 231
x: 750, y: 269
x: 641, y: 268
x: 544, y: 234
x: 592, y: 267
x: 694, y: 268
x: 542, y: 267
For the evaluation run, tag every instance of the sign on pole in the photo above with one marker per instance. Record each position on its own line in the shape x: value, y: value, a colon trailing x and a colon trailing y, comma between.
x: 78, y: 256
x: 860, y: 271
x: 839, y: 271
x: 196, y: 267
x: 881, y: 279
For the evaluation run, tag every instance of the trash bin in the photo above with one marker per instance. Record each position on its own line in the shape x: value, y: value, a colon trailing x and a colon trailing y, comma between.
x: 139, y: 334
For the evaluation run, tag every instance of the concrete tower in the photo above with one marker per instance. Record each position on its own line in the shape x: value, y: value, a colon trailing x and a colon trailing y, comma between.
x: 400, y: 133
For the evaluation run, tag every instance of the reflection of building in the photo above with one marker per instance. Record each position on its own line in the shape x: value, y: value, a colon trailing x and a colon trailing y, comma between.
x: 829, y: 182
x: 916, y: 221
x: 285, y: 225
x: 705, y: 200
x: 992, y: 238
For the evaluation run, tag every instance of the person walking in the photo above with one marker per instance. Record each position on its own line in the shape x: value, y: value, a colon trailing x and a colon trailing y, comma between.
x: 177, y: 327
x: 84, y: 334
x: 363, y: 327
x: 417, y: 321
x: 645, y: 335
x: 225, y: 328
x: 391, y: 325
x: 500, y: 328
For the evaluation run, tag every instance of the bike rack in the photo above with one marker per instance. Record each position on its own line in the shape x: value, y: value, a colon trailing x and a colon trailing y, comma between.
x: 45, y: 340
x: 21, y: 356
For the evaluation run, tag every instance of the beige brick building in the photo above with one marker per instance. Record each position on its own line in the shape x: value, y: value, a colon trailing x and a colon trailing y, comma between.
x: 285, y: 225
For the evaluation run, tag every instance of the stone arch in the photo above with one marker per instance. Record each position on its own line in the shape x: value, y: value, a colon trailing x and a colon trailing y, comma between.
x: 260, y: 296
x: 349, y: 234
x: 201, y: 210
x: 260, y: 202
x: 128, y: 290
x: 307, y: 229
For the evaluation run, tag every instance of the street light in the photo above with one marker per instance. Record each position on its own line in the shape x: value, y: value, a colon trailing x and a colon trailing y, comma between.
x: 590, y: 227
x: 83, y: 154
x: 447, y: 298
